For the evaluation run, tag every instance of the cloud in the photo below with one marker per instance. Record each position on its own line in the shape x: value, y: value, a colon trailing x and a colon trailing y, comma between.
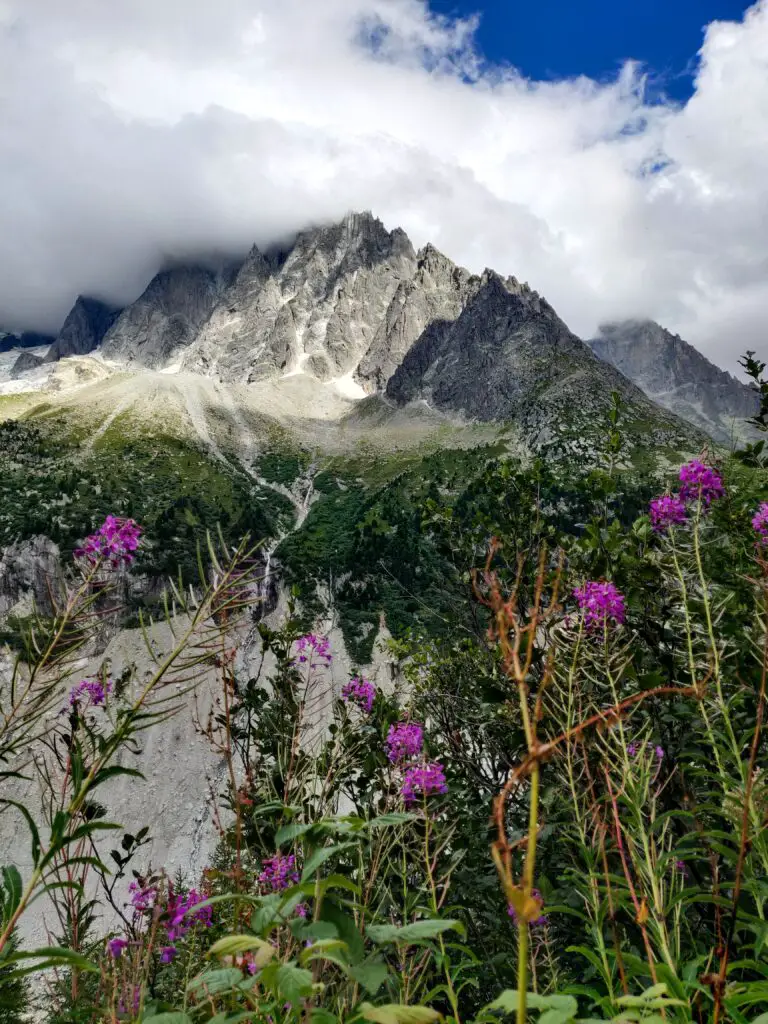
x: 137, y: 131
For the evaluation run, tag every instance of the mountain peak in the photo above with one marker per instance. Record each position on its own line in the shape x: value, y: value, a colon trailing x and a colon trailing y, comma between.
x: 676, y: 375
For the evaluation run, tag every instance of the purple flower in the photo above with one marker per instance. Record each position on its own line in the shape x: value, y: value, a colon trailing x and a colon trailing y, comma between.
x: 667, y: 510
x: 116, y: 947
x: 541, y: 919
x: 360, y: 692
x: 167, y: 953
x: 760, y: 521
x: 633, y: 749
x: 700, y: 482
x: 115, y: 541
x: 600, y: 602
x: 422, y: 781
x: 142, y: 897
x: 93, y: 690
x: 279, y: 873
x: 302, y: 910
x: 404, y: 741
x: 312, y: 646
x: 182, y: 917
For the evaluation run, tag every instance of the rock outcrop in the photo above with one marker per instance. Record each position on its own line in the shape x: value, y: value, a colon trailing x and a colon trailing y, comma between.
x: 167, y: 316
x: 316, y: 308
x: 31, y: 577
x: 83, y: 330
x: 678, y: 377
x: 508, y: 356
x: 25, y: 362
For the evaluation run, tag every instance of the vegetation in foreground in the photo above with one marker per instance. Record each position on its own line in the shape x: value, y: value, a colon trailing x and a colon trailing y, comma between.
x: 561, y: 816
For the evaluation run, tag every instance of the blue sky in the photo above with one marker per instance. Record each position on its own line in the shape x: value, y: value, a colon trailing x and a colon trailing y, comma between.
x: 548, y: 39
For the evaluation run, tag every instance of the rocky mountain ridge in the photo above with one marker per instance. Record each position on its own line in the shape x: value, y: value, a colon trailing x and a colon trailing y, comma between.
x: 677, y: 376
x: 355, y: 305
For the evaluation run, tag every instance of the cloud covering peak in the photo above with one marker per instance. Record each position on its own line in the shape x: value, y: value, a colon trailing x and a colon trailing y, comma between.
x: 135, y: 132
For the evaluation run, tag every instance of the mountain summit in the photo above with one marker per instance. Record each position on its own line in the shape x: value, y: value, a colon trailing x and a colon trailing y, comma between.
x: 675, y: 375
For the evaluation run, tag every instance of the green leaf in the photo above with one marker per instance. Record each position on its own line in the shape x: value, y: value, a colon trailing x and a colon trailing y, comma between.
x: 13, y: 887
x: 294, y: 983
x: 52, y: 956
x: 321, y: 948
x: 556, y: 1009
x: 346, y: 928
x: 371, y: 975
x: 175, y: 1017
x: 319, y: 1016
x: 416, y: 932
x: 32, y: 828
x: 387, y: 820
x: 215, y: 982
x: 319, y: 857
x: 396, y: 1013
x: 231, y: 945
x: 292, y: 831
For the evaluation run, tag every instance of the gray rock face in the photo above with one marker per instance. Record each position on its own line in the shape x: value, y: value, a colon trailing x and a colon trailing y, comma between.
x: 167, y: 316
x: 82, y: 332
x: 508, y: 356
x: 316, y: 309
x: 30, y: 575
x: 674, y: 374
x: 25, y: 362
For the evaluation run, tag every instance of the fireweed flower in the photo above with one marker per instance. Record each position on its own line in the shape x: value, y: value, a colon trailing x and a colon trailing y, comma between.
x: 404, y: 741
x: 541, y: 919
x: 360, y: 692
x: 116, y: 947
x: 601, y: 603
x: 422, y: 781
x: 760, y: 521
x: 115, y: 541
x: 700, y: 482
x: 142, y: 898
x: 279, y: 873
x: 311, y: 647
x: 667, y: 510
x: 92, y: 691
x: 167, y: 953
x: 183, y: 917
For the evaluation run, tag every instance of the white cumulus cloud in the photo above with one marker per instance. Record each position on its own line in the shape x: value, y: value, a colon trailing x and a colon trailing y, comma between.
x: 136, y: 131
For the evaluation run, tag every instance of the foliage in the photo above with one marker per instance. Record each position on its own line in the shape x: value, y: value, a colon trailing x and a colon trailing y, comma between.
x: 557, y: 809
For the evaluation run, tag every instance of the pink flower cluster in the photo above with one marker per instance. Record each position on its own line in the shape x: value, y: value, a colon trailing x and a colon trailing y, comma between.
x: 697, y: 483
x: 700, y: 483
x: 404, y: 741
x: 179, y: 916
x: 667, y: 510
x: 600, y: 603
x: 143, y: 897
x: 361, y: 692
x: 93, y: 691
x: 311, y: 647
x: 279, y: 873
x: 183, y: 916
x: 760, y: 522
x: 422, y: 781
x: 116, y: 541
